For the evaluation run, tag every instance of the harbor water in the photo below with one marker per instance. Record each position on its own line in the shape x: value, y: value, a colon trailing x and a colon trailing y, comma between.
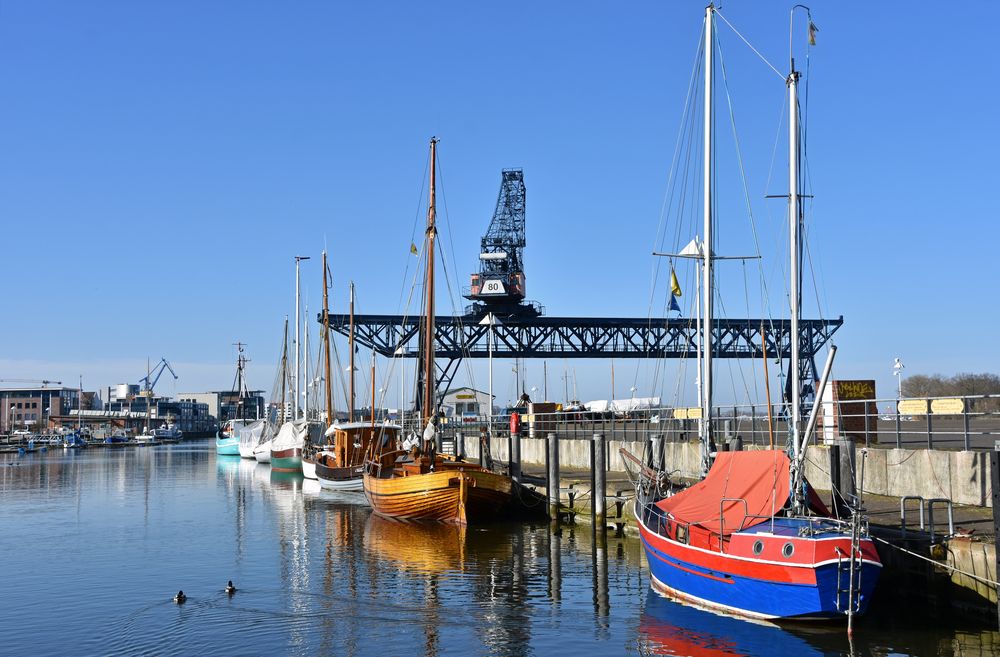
x: 96, y: 542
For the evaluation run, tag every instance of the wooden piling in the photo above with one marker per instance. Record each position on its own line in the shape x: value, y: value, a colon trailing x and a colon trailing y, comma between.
x: 553, y: 476
x: 598, y: 466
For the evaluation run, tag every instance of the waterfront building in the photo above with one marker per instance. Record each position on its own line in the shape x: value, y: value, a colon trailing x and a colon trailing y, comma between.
x: 465, y: 401
x: 31, y: 408
x: 224, y: 404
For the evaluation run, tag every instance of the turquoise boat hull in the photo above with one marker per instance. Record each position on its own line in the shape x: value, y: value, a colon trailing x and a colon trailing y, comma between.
x: 227, y: 446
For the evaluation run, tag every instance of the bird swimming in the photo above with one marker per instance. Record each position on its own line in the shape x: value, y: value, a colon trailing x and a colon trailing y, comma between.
x: 230, y: 589
x: 180, y: 598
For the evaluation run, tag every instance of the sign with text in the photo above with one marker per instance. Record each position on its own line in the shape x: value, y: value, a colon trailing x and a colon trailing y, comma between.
x: 952, y: 406
x: 912, y: 407
x: 493, y: 287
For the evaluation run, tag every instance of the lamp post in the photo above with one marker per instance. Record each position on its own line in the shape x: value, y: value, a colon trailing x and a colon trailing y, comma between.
x: 897, y: 371
x: 490, y: 321
x: 10, y: 420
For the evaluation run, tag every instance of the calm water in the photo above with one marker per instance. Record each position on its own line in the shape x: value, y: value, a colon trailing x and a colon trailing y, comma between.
x: 95, y: 543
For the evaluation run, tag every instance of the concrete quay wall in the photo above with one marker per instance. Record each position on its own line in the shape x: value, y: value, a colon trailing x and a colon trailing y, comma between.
x: 963, y: 477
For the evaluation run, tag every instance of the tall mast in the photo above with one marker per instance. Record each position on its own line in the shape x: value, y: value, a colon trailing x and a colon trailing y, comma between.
x: 429, y: 291
x: 295, y: 386
x: 706, y: 286
x: 149, y: 393
x: 794, y: 224
x: 284, y: 374
x: 350, y: 344
x: 326, y: 343
x: 306, y: 381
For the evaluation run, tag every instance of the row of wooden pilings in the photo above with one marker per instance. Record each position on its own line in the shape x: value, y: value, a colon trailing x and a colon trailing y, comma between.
x: 653, y: 457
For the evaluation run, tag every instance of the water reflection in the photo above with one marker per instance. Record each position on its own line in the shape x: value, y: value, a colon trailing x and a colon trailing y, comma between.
x: 667, y: 627
x: 318, y: 572
x: 430, y: 548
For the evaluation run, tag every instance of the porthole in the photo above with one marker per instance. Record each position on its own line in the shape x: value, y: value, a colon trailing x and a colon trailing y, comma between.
x: 758, y: 547
x: 788, y: 549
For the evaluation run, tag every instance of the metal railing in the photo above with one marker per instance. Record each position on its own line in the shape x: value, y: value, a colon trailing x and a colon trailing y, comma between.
x: 969, y: 422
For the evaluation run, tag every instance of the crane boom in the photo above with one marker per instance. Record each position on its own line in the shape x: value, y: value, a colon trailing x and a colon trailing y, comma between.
x: 150, y: 380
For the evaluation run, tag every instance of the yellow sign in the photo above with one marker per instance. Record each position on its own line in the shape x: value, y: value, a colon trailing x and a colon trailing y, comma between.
x: 465, y: 396
x: 952, y: 406
x: 687, y: 413
x: 912, y: 407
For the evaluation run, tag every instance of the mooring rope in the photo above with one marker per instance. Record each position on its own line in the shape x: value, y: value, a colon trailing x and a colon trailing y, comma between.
x: 979, y: 579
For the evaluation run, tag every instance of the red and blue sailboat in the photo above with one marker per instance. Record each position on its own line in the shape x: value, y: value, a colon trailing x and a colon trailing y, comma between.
x: 730, y: 542
x: 752, y: 538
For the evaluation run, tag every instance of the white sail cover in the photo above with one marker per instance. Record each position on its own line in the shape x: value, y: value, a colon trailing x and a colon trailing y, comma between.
x: 290, y: 435
x: 623, y: 405
x: 251, y: 435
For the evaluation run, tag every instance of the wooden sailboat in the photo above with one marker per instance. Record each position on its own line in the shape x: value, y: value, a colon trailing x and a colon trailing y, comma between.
x: 339, y: 463
x: 421, y: 484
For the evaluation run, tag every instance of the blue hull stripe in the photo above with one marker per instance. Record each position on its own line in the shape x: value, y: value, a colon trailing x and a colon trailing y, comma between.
x: 756, y: 597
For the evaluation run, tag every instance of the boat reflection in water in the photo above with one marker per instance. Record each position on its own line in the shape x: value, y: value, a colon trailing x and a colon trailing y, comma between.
x: 431, y: 548
x: 668, y: 627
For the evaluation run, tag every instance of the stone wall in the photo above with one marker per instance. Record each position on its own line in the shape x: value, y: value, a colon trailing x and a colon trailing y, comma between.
x: 963, y: 477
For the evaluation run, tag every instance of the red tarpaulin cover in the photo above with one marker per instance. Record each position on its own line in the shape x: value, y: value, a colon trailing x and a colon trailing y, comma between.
x: 760, y: 477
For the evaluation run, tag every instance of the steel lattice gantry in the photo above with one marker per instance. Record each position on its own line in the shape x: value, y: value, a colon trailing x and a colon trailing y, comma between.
x: 584, y: 337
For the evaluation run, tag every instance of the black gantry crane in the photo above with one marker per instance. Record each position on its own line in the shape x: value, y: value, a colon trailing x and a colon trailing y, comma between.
x: 522, y: 332
x: 498, y: 287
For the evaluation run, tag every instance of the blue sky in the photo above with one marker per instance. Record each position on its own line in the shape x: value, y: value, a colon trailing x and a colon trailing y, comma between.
x: 161, y: 164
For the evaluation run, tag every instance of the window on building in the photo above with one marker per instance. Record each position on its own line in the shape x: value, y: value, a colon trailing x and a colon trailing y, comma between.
x: 20, y: 405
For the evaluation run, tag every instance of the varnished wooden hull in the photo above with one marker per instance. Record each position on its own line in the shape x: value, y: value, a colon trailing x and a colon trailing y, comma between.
x: 447, y: 495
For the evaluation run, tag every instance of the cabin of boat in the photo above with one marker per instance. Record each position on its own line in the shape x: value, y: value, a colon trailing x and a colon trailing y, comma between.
x: 340, y: 463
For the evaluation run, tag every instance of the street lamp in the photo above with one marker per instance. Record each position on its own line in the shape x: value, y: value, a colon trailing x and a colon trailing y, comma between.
x: 897, y: 371
x: 491, y: 321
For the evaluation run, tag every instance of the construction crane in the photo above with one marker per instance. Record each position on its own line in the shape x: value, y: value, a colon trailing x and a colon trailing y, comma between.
x: 498, y: 287
x: 44, y: 382
x: 150, y: 379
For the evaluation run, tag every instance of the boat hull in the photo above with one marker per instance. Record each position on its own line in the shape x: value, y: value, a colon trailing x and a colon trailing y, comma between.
x: 761, y: 588
x: 228, y: 446
x: 448, y: 495
x: 308, y: 468
x: 287, y: 460
x: 349, y: 478
x: 263, y: 452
